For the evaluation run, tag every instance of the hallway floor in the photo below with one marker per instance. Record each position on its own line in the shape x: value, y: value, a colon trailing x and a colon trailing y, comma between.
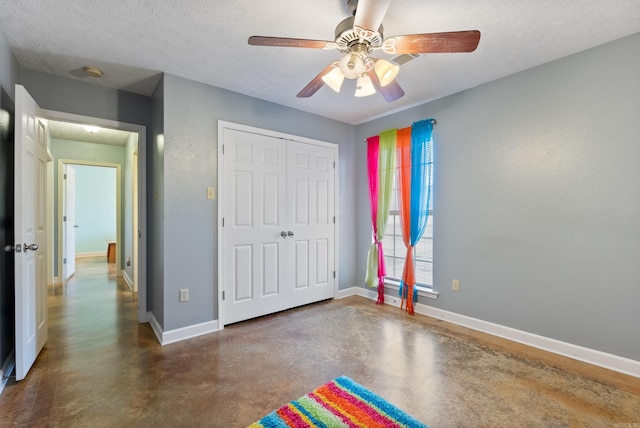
x: 100, y: 368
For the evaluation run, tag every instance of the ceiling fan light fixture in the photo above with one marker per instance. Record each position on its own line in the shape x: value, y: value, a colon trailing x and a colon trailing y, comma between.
x: 334, y: 79
x: 386, y: 71
x: 352, y: 66
x: 364, y: 87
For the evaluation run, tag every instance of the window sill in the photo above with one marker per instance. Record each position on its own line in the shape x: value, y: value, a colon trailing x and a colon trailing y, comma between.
x: 423, y: 290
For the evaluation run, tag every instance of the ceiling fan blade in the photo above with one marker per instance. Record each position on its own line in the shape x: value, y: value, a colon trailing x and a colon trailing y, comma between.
x: 369, y: 13
x: 317, y: 83
x: 454, y: 41
x: 391, y: 92
x: 290, y: 43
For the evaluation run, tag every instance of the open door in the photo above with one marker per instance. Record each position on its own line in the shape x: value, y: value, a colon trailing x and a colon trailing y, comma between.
x: 30, y: 231
x: 69, y: 222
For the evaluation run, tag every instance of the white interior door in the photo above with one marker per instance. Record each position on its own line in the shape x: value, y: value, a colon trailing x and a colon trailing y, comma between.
x: 278, y: 233
x: 69, y: 222
x: 254, y: 220
x: 30, y: 232
x: 311, y: 208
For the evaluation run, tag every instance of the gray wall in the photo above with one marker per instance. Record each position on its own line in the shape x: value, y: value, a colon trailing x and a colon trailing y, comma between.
x: 78, y: 97
x: 191, y: 114
x: 155, y: 208
x: 537, y: 199
x: 9, y: 69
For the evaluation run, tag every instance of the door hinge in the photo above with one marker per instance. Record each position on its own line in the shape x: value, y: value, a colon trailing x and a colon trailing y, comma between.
x: 334, y: 164
x: 334, y: 219
x: 64, y: 176
x: 223, y: 295
x: 64, y: 261
x: 64, y: 218
x: 223, y: 149
x: 334, y: 274
x: 222, y: 221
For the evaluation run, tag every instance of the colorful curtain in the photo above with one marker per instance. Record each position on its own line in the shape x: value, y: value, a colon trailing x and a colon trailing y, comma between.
x: 381, y: 160
x: 415, y: 166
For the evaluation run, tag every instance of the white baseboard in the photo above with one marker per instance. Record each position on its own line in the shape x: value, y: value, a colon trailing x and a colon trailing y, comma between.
x: 597, y: 358
x: 155, y: 326
x: 95, y: 254
x: 6, y: 370
x: 369, y: 293
x: 127, y: 280
x: 184, y: 333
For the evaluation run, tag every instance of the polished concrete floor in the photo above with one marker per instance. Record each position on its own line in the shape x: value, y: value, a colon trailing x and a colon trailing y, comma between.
x: 100, y: 368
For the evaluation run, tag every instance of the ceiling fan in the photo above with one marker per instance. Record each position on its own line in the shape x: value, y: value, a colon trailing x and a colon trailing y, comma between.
x: 362, y: 34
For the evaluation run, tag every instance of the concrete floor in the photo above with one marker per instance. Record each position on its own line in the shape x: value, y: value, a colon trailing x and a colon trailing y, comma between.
x: 100, y: 368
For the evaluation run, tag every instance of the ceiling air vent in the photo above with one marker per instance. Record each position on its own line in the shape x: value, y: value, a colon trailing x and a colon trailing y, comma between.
x: 404, y: 58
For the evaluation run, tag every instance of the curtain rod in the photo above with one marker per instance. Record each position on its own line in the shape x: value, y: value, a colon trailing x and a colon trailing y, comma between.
x: 433, y: 122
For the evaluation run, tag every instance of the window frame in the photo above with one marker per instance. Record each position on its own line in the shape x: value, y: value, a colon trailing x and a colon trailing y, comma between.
x: 426, y: 290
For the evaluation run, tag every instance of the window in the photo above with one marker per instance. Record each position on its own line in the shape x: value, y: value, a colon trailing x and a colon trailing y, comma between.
x: 395, y: 251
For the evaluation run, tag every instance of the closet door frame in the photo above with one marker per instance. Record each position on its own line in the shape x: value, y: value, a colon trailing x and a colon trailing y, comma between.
x: 223, y: 187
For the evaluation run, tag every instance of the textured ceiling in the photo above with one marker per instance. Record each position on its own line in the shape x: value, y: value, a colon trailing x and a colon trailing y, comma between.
x: 75, y: 132
x: 204, y: 40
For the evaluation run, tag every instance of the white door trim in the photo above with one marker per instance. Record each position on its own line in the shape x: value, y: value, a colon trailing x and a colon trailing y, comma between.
x: 67, y: 228
x: 142, y: 191
x: 222, y: 189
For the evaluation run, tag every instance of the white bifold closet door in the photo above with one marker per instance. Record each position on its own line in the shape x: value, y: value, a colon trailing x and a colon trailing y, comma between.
x: 278, y: 233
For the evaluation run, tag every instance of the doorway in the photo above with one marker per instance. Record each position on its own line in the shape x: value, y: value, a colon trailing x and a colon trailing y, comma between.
x: 89, y: 214
x: 130, y: 236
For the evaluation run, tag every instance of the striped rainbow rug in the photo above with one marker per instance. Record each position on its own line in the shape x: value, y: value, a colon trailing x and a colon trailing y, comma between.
x: 339, y: 403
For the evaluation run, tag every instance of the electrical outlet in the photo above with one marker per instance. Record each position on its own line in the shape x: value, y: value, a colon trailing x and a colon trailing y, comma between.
x: 455, y: 285
x: 184, y: 295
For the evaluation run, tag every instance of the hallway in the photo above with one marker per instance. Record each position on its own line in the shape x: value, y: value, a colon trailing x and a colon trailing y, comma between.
x: 93, y: 306
x: 100, y: 368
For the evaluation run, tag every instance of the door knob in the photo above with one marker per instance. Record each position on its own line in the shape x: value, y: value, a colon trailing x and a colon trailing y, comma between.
x: 289, y: 233
x: 32, y: 247
x: 283, y: 234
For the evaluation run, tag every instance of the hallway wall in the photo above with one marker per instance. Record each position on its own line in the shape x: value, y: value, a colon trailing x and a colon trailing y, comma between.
x: 95, y: 208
